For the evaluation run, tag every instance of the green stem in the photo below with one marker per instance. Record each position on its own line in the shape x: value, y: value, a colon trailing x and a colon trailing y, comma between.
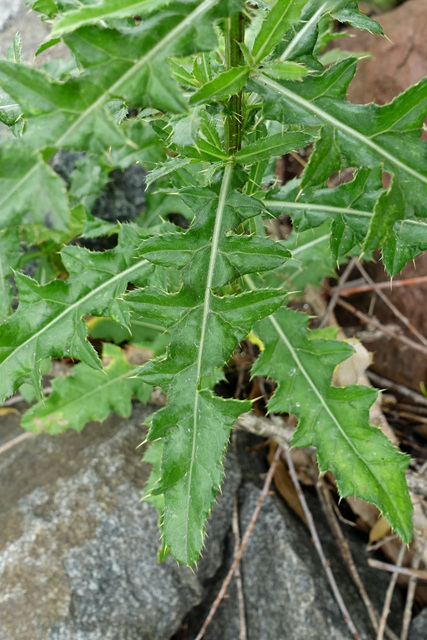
x: 234, y: 35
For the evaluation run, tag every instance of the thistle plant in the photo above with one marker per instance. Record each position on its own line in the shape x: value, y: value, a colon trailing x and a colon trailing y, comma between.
x: 204, y: 96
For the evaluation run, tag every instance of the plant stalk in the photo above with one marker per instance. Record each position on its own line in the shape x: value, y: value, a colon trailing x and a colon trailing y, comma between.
x: 234, y: 35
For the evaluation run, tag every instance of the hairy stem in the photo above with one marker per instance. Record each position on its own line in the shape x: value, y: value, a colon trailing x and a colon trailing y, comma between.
x: 234, y: 35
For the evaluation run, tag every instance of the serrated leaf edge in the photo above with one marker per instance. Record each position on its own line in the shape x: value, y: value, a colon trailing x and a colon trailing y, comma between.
x: 341, y: 126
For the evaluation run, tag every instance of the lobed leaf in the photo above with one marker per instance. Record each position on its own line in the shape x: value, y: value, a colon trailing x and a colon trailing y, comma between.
x: 73, y: 114
x: 88, y: 395
x: 356, y: 135
x: 205, y: 329
x: 353, y: 207
x: 49, y: 319
x: 333, y: 419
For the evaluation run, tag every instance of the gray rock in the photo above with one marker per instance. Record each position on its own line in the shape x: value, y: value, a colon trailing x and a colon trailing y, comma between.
x: 286, y: 593
x: 78, y: 551
x: 286, y: 596
x: 418, y: 629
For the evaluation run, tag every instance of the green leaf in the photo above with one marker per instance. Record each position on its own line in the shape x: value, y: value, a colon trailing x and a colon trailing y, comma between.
x: 127, y: 65
x: 222, y: 86
x: 285, y: 70
x: 333, y: 419
x: 90, y: 13
x: 283, y: 14
x: 205, y: 329
x: 360, y: 135
x: 49, y: 319
x: 9, y: 259
x: 351, y: 206
x: 30, y: 191
x: 87, y: 395
x: 387, y: 211
x: 274, y: 145
x: 14, y: 52
x: 301, y: 40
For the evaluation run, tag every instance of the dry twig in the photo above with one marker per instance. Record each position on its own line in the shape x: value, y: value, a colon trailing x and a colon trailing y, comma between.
x: 395, y: 568
x: 243, y: 544
x: 334, y: 299
x: 412, y: 584
x: 11, y: 443
x: 370, y: 320
x: 390, y: 305
x: 318, y: 546
x: 354, y: 287
x: 325, y: 501
x: 238, y: 575
x: 389, y: 594
x: 385, y: 383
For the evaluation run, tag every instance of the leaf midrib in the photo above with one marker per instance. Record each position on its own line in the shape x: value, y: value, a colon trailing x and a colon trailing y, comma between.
x: 205, y: 6
x: 325, y: 406
x: 74, y: 306
x: 95, y: 390
x: 289, y: 204
x: 206, y: 309
x: 341, y: 126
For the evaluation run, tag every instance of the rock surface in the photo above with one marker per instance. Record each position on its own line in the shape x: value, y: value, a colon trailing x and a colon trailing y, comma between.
x: 78, y: 550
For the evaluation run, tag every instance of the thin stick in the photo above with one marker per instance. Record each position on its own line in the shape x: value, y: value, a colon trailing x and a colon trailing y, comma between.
x: 351, y: 287
x: 325, y: 563
x: 243, y: 544
x: 11, y: 443
x: 381, y: 543
x: 385, y: 383
x: 238, y: 575
x: 389, y: 594
x: 395, y: 568
x: 333, y: 301
x: 325, y: 501
x: 390, y: 305
x: 412, y: 585
x: 370, y: 320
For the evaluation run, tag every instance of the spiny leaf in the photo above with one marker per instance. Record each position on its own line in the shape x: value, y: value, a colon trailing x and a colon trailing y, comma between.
x: 126, y: 65
x: 278, y: 20
x: 302, y: 38
x: 205, y: 330
x: 334, y: 420
x: 48, y: 321
x: 224, y: 85
x: 87, y: 395
x: 274, y: 145
x: 104, y: 10
x: 351, y: 207
x: 360, y: 135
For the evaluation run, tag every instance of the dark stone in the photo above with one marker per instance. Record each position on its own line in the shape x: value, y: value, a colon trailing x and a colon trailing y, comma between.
x: 78, y: 550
